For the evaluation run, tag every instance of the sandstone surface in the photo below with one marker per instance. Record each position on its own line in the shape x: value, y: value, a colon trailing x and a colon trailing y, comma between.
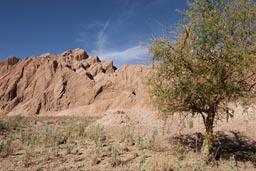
x: 70, y: 81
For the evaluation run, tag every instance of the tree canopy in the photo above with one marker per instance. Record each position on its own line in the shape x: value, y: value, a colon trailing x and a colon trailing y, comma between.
x: 210, y: 63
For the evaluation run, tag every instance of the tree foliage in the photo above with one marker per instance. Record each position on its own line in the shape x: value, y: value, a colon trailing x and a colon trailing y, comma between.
x: 210, y: 63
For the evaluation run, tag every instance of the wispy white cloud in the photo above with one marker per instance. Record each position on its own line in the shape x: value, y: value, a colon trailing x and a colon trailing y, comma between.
x: 102, y: 38
x: 134, y: 54
x: 93, y: 35
x: 98, y: 34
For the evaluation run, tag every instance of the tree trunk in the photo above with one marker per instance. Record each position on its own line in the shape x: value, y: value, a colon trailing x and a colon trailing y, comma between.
x: 208, y: 137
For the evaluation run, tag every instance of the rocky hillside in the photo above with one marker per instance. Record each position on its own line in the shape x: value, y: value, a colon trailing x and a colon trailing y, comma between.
x: 66, y: 81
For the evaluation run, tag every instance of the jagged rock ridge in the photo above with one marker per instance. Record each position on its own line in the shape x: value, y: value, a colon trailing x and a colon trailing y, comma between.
x: 72, y: 79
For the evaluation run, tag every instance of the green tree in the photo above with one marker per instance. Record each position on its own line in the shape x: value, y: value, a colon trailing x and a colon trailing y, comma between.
x: 210, y: 63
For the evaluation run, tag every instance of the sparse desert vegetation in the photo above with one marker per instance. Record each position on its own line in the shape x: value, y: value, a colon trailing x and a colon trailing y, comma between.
x: 81, y: 143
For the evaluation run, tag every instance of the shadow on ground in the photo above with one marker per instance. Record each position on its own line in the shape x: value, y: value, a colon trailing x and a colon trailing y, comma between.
x: 225, y: 146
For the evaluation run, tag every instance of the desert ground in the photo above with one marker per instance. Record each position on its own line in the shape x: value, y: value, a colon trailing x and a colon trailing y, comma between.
x: 124, y: 140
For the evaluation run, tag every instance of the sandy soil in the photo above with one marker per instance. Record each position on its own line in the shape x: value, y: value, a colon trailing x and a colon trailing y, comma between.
x: 124, y: 140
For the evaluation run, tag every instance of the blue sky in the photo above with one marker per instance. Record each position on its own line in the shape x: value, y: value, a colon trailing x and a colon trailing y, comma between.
x: 111, y: 29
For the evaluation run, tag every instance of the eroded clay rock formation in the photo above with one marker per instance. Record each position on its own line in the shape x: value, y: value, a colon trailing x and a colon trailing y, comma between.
x: 72, y: 79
